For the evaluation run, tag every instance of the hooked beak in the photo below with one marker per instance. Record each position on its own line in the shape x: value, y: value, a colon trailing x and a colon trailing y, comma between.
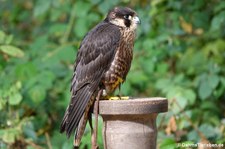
x: 136, y: 20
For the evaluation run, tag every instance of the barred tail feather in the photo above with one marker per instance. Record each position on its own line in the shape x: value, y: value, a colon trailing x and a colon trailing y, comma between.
x: 63, y: 123
x: 82, y: 124
x: 80, y: 104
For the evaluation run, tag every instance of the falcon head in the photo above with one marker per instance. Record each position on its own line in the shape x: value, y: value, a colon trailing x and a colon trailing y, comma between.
x: 123, y: 17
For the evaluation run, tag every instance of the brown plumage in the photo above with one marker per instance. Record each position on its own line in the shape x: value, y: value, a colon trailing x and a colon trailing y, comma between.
x: 102, y: 63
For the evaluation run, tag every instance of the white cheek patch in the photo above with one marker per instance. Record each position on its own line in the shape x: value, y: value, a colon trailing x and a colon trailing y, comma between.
x: 133, y: 26
x: 118, y: 22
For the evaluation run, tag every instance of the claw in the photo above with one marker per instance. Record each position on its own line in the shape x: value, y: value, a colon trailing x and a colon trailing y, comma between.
x: 118, y: 98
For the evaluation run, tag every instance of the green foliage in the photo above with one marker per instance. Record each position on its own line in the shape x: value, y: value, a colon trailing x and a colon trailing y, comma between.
x: 179, y: 53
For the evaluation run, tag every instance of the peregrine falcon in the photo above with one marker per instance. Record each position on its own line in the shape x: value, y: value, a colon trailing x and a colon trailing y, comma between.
x: 103, y: 61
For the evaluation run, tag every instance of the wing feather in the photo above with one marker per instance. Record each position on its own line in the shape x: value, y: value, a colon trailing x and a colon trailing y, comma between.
x: 95, y: 54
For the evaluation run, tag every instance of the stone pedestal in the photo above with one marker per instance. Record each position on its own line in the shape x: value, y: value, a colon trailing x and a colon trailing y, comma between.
x: 131, y: 124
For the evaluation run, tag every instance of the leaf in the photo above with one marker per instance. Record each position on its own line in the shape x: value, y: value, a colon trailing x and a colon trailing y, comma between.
x: 67, y: 145
x: 204, y: 90
x: 179, y: 100
x: 57, y: 29
x: 26, y: 71
x: 150, y: 65
x: 15, y: 99
x: 29, y: 131
x: 190, y: 96
x: 164, y: 85
x: 192, y: 135
x: 192, y: 61
x: 9, y: 39
x: 148, y: 43
x: 217, y: 21
x: 213, y: 80
x: 41, y: 7
x: 93, y: 17
x: 9, y: 135
x: 180, y: 96
x: 45, y: 79
x: 208, y: 130
x: 2, y: 37
x: 168, y: 144
x: 187, y: 27
x: 81, y: 27
x: 207, y: 84
x: 104, y: 6
x: 161, y: 83
x: 3, y: 101
x: 210, y: 106
x: 171, y: 126
x: 137, y: 78
x: 11, y: 50
x: 178, y: 79
x: 126, y: 88
x: 30, y: 147
x: 95, y: 1
x: 81, y: 9
x: 219, y: 7
x: 37, y: 94
x: 162, y: 68
x: 201, y: 20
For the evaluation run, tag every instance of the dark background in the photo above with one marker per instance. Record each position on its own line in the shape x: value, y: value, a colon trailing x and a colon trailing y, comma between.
x: 179, y: 54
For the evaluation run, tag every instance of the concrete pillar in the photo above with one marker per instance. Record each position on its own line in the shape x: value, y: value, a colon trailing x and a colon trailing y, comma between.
x: 131, y: 124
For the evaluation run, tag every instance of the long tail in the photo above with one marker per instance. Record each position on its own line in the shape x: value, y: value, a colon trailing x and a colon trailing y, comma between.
x: 82, y: 124
x: 63, y: 123
x: 76, y: 109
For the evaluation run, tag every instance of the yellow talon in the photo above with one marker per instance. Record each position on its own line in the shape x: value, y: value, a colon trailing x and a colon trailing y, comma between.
x: 119, y: 81
x: 118, y: 98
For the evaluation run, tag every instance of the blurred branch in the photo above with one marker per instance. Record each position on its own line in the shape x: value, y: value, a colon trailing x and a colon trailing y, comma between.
x: 189, y: 120
x: 57, y: 49
x: 48, y: 140
x: 69, y: 27
x: 162, y: 121
x: 35, y: 146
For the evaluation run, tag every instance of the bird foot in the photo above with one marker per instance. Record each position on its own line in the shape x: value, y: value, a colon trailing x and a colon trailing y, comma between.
x: 118, y: 98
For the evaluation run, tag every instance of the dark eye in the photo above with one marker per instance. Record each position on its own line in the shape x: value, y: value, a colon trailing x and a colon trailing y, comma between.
x: 126, y: 17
